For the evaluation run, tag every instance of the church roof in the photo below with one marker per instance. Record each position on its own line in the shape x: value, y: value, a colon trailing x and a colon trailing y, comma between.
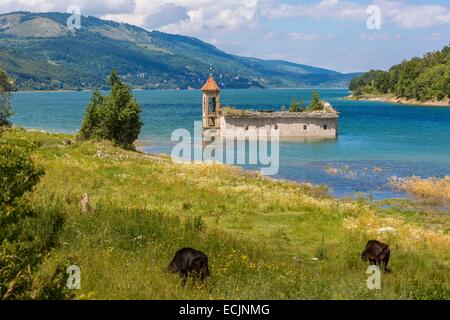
x: 210, y: 85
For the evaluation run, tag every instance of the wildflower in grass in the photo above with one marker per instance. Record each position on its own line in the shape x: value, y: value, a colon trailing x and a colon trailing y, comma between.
x: 386, y: 230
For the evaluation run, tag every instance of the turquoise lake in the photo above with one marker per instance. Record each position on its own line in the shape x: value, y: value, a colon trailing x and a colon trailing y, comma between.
x: 376, y: 140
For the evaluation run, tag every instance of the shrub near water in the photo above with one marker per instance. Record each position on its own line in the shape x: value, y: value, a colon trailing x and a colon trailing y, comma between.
x: 5, y: 95
x: 115, y: 117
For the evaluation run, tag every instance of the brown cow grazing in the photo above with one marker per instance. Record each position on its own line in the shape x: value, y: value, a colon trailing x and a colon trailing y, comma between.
x: 377, y: 253
x: 190, y: 262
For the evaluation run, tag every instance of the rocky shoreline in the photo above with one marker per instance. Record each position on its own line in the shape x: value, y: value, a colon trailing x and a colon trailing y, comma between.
x: 443, y: 103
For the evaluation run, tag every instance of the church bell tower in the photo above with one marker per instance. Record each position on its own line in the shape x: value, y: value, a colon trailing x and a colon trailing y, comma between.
x: 210, y: 105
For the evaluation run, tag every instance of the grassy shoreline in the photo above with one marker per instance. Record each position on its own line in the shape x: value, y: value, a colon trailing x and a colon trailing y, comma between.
x: 393, y: 99
x: 266, y: 239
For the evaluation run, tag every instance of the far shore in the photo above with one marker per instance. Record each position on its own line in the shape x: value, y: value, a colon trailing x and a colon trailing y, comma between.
x: 177, y: 89
x: 430, y: 103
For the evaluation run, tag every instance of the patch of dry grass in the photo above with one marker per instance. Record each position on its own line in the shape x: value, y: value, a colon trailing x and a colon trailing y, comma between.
x: 432, y: 190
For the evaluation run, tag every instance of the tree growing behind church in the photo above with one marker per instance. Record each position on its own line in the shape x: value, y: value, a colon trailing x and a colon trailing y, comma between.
x: 114, y: 117
x: 316, y: 103
x: 297, y: 105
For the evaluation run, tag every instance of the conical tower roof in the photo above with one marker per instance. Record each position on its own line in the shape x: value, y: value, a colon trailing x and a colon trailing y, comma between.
x: 210, y: 85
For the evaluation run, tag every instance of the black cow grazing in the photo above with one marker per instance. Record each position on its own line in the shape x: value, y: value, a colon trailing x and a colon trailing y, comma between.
x: 190, y: 262
x: 377, y: 253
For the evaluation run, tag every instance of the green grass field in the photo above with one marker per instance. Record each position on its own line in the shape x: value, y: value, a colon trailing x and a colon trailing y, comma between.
x: 265, y: 239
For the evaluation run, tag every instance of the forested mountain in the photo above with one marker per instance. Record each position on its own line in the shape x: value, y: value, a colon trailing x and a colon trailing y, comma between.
x: 38, y: 50
x: 422, y: 79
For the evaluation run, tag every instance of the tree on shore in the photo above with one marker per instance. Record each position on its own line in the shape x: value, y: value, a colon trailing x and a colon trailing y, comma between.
x: 115, y: 117
x: 422, y: 79
x: 90, y: 127
x: 5, y: 93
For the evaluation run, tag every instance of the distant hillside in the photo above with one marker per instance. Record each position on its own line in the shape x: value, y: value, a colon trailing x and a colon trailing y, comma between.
x: 39, y: 52
x: 420, y: 79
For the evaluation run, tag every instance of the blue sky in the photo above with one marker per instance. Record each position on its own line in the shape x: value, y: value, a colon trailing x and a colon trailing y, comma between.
x: 325, y: 33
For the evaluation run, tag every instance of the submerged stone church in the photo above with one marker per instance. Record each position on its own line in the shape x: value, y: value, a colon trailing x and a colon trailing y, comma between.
x: 234, y: 123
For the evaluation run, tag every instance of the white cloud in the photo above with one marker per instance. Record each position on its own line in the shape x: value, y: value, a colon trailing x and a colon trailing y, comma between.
x: 342, y: 10
x: 412, y: 16
x: 192, y: 17
x: 165, y: 15
x: 435, y: 36
x: 88, y: 7
x: 201, y: 17
x: 310, y: 37
x: 210, y: 15
x: 401, y: 13
x: 269, y: 36
x: 382, y: 36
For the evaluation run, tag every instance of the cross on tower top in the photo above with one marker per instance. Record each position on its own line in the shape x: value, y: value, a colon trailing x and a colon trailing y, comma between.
x: 211, y: 70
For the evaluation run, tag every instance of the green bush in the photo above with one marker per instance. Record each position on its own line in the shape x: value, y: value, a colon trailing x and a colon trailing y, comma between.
x: 90, y: 127
x: 21, y: 252
x: 296, y: 105
x: 315, y: 103
x: 5, y: 94
x: 115, y: 117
